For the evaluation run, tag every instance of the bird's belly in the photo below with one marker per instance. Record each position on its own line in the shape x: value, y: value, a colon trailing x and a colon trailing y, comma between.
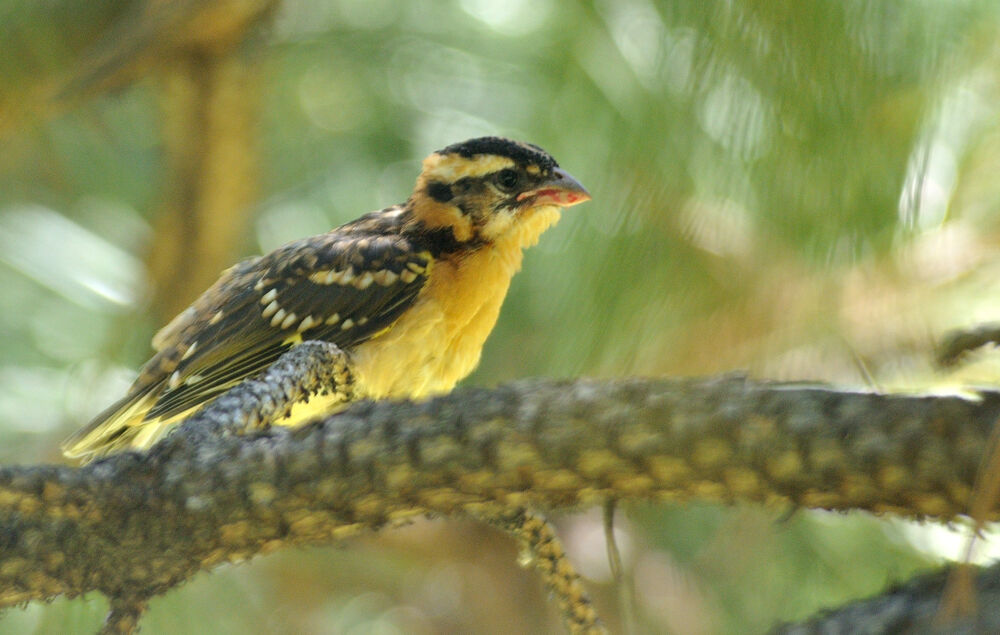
x: 439, y: 341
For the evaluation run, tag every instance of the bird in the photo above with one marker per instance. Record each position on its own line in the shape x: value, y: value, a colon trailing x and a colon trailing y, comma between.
x: 409, y: 294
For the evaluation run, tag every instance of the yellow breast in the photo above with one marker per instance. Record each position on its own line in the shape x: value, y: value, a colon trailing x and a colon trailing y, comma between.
x: 439, y: 341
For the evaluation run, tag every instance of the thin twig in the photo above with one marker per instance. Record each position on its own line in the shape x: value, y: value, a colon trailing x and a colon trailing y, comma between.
x: 542, y: 550
x: 624, y: 585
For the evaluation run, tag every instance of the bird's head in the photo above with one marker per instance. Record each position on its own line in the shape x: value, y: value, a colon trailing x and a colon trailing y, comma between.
x: 490, y: 188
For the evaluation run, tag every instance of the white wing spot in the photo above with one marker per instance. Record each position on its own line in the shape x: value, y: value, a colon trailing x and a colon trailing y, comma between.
x: 306, y: 323
x: 348, y: 323
x: 269, y: 296
x: 407, y: 276
x: 333, y: 319
x: 190, y: 350
x: 346, y: 276
x: 319, y: 277
x: 216, y: 318
x: 385, y: 277
x: 415, y: 268
x: 278, y: 317
x: 289, y: 320
x: 270, y: 310
x: 364, y: 281
x: 175, y: 380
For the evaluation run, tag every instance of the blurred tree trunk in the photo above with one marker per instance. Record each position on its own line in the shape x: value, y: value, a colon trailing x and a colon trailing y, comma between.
x: 210, y: 111
x: 202, y: 56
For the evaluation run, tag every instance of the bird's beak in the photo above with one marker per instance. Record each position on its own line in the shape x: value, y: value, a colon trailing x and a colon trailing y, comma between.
x: 561, y: 189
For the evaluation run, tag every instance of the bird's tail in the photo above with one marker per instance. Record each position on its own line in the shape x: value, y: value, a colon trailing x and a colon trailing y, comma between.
x: 121, y: 426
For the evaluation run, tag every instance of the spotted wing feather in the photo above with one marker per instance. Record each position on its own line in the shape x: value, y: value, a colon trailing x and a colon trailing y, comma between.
x: 343, y: 287
x: 295, y: 298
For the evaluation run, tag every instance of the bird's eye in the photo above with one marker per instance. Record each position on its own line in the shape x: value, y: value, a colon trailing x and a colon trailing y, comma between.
x: 507, y: 180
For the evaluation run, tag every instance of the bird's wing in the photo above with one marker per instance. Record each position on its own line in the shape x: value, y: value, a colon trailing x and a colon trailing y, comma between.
x: 342, y: 287
x: 336, y: 288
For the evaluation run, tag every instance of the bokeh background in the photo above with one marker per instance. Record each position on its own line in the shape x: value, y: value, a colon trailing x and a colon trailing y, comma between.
x: 803, y: 190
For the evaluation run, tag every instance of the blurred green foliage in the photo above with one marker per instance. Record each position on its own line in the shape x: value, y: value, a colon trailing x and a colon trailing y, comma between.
x: 805, y: 189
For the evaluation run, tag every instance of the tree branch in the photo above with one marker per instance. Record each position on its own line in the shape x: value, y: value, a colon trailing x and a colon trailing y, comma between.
x: 217, y: 490
x: 912, y: 607
x: 958, y: 345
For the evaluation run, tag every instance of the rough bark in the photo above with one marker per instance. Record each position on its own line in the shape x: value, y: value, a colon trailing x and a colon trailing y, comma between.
x: 220, y: 489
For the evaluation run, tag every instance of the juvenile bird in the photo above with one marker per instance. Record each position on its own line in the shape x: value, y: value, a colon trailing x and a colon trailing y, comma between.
x: 408, y: 293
